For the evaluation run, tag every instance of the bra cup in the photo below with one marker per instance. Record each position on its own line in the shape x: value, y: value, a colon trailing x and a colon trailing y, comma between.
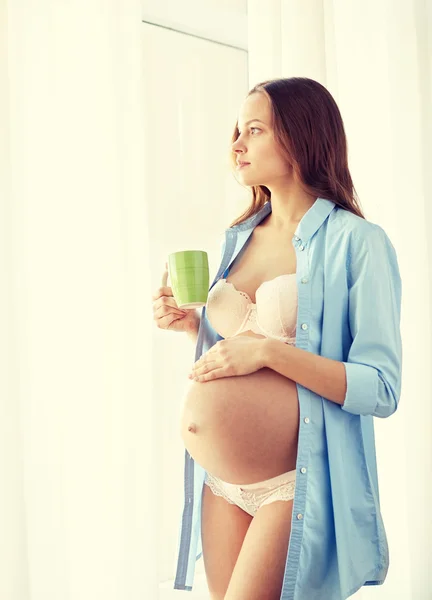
x: 231, y: 311
x: 226, y: 308
x: 276, y: 307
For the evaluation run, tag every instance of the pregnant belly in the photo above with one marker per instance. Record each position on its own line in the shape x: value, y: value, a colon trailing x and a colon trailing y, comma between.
x: 245, y: 427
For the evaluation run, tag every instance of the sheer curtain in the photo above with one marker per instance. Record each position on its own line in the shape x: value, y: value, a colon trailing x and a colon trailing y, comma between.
x: 77, y: 450
x: 375, y: 58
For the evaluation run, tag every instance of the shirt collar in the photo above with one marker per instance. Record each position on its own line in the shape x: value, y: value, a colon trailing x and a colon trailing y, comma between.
x: 308, y: 225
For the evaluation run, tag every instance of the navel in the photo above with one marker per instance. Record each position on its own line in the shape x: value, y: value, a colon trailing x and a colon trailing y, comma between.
x: 192, y: 427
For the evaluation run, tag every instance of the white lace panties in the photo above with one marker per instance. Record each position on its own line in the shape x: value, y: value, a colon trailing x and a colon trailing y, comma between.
x: 252, y: 496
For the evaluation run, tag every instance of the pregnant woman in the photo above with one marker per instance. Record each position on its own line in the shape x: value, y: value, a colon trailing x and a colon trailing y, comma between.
x: 297, y: 349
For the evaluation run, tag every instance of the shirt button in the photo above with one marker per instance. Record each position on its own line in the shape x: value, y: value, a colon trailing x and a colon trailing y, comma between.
x: 304, y: 326
x: 306, y: 420
x: 303, y: 470
x: 304, y: 280
x: 301, y: 247
x: 299, y: 516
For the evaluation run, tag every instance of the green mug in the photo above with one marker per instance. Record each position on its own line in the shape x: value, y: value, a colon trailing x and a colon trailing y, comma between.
x: 188, y: 271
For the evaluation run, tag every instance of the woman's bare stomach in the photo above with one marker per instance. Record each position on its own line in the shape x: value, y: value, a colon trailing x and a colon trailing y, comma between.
x: 245, y: 427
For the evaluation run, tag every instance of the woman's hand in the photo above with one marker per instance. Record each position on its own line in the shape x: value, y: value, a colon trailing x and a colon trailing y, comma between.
x: 168, y: 315
x: 239, y: 355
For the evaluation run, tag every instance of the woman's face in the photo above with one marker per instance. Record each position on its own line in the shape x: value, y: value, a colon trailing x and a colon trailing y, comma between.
x: 256, y: 145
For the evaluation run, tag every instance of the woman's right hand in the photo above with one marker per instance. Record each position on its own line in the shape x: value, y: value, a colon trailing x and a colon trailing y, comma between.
x: 166, y: 312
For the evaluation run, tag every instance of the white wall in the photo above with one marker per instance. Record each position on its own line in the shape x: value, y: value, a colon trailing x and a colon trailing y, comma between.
x: 221, y: 21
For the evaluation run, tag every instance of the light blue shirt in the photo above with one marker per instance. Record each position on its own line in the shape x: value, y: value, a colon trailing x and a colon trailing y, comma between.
x: 349, y: 304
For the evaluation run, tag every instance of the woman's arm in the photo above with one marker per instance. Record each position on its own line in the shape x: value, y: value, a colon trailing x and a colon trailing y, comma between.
x: 324, y: 376
x: 369, y: 381
x: 192, y: 332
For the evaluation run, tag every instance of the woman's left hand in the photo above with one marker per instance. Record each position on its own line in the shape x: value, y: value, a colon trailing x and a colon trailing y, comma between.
x: 239, y: 355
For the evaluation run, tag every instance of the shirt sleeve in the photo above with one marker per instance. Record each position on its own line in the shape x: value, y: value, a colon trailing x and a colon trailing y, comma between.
x: 374, y: 363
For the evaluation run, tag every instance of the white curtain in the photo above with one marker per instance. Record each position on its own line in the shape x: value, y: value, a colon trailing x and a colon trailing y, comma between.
x: 375, y: 58
x: 77, y: 521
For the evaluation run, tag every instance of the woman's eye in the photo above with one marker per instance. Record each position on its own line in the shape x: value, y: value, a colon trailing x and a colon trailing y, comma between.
x: 257, y: 128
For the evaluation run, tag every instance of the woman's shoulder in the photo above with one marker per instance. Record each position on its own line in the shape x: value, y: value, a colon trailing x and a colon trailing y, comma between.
x: 352, y: 226
x: 341, y: 217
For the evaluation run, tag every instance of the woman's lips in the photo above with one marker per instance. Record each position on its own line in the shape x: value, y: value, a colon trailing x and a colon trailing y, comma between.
x: 241, y: 165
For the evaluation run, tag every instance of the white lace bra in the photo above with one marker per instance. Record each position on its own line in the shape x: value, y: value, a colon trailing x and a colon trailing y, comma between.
x: 274, y: 314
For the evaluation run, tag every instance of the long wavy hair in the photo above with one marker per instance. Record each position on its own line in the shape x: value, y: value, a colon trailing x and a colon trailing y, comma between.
x: 308, y: 126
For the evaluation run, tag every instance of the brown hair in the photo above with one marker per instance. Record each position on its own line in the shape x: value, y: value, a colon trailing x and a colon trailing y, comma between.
x: 309, y: 128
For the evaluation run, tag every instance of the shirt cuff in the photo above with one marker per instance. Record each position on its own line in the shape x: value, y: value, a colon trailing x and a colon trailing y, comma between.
x: 362, y: 387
